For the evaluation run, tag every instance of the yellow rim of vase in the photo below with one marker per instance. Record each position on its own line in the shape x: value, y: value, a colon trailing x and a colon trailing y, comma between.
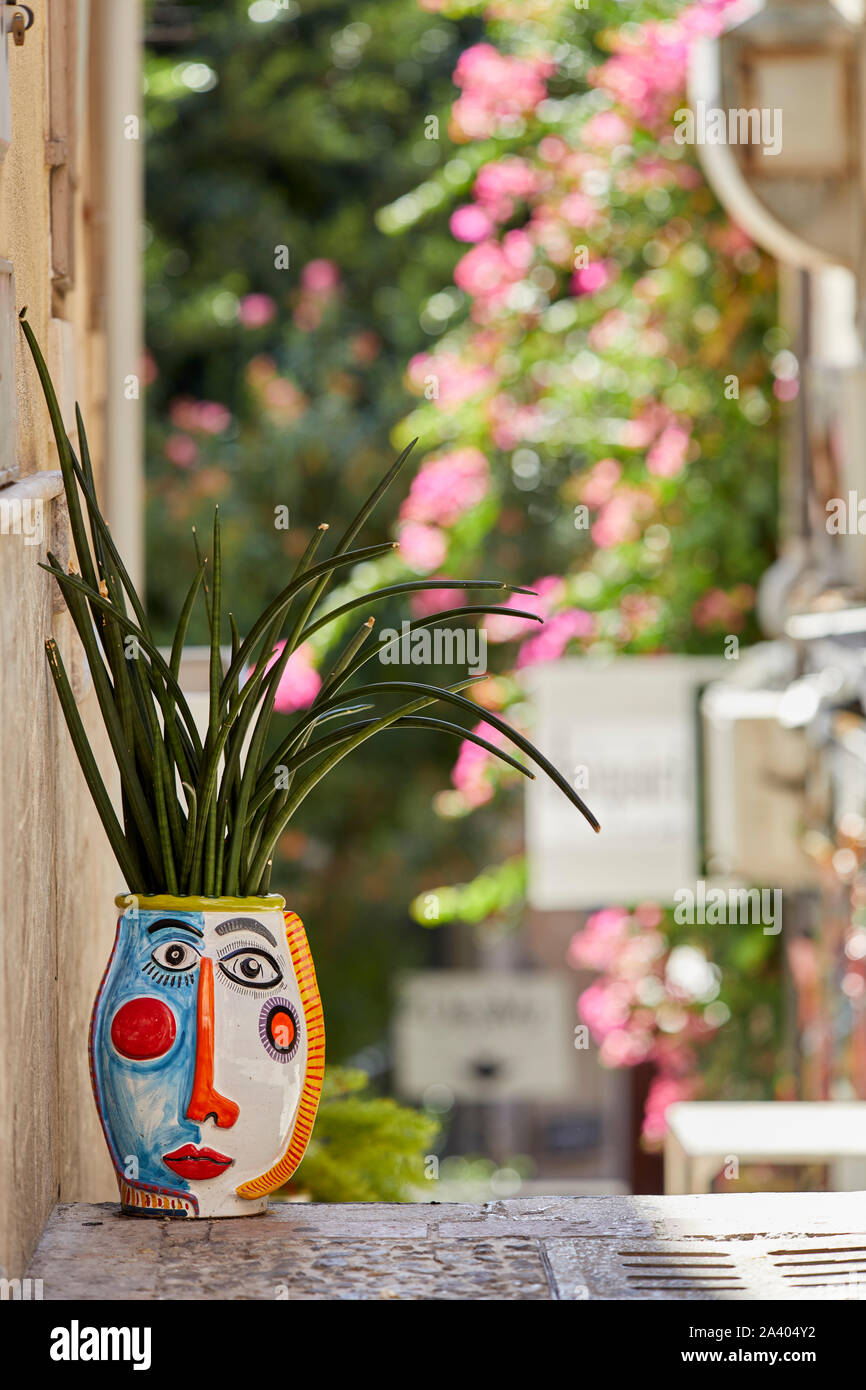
x: 164, y: 902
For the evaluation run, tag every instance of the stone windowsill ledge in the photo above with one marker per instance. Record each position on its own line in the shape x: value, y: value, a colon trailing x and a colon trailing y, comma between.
x: 741, y: 1246
x: 44, y: 486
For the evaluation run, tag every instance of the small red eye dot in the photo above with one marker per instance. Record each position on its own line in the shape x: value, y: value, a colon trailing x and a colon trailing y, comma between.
x: 281, y: 1027
x: 143, y: 1028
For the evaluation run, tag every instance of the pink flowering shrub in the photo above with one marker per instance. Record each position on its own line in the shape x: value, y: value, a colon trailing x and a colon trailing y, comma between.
x: 496, y: 90
x: 652, y: 1002
x: 257, y: 310
x: 451, y: 379
x: 320, y: 284
x: 422, y: 547
x: 446, y: 487
x: 200, y: 417
x: 300, y: 683
x: 605, y: 296
x: 472, y: 772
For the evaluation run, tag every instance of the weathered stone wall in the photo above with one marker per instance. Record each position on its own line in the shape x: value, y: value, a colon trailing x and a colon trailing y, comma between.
x: 57, y: 876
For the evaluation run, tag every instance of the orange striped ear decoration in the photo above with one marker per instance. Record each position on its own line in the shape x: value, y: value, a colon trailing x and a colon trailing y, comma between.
x: 314, y: 1075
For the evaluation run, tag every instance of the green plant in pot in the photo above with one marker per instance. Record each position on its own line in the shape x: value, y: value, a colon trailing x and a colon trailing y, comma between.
x: 207, y: 1040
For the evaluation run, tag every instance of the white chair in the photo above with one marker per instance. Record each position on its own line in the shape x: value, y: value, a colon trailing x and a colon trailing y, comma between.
x: 706, y: 1136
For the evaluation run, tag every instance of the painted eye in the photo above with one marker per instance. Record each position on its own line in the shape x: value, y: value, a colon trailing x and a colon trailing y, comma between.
x: 252, y: 968
x: 175, y: 955
x: 280, y: 1029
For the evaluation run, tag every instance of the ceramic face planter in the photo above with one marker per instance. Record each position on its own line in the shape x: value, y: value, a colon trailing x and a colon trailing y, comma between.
x: 207, y: 1053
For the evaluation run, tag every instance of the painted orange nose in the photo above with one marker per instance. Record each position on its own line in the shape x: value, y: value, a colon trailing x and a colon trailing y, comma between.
x: 206, y: 1101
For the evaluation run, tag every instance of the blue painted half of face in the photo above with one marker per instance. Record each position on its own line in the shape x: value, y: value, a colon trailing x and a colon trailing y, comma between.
x: 143, y: 1100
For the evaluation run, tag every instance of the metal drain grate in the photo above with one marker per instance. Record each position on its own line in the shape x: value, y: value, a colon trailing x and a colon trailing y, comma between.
x: 681, y: 1270
x: 822, y: 1267
x: 740, y: 1266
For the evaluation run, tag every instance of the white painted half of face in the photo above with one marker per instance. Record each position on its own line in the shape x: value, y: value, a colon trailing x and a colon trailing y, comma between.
x: 259, y: 1055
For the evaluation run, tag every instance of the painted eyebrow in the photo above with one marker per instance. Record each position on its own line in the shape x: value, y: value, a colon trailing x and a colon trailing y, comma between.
x: 167, y: 924
x: 245, y: 924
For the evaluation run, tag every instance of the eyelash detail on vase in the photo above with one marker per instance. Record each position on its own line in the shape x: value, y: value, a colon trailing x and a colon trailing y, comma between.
x: 166, y: 977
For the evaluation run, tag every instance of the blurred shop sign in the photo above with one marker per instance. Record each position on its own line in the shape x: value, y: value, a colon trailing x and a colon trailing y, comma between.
x: 625, y: 733
x: 756, y: 762
x: 486, y: 1035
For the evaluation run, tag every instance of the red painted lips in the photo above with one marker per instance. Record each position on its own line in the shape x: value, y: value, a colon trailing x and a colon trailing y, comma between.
x: 196, y: 1164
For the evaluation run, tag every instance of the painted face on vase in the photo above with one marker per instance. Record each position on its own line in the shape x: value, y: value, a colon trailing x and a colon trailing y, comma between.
x: 207, y: 1054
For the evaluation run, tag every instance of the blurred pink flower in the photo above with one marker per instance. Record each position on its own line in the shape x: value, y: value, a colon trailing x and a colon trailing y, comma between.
x: 495, y: 89
x: 320, y: 277
x: 647, y: 71
x: 256, y: 310
x: 447, y: 487
x: 605, y: 1006
x: 487, y: 272
x: 502, y: 183
x: 469, y: 774
x: 300, y: 683
x: 668, y: 455
x: 786, y: 388
x: 483, y: 270
x: 618, y: 521
x: 609, y: 331
x: 512, y: 423
x: 181, y: 450
x: 422, y: 547
x: 717, y: 609
x: 590, y: 278
x: 366, y: 346
x: 199, y: 417
x: 470, y: 223
x: 642, y: 430
x: 578, y: 210
x: 596, y: 946
x: 552, y: 235
x: 665, y: 1091
x: 548, y: 591
x: 625, y: 1047
x: 278, y: 395
x: 606, y: 129
x: 426, y: 603
x: 453, y: 380
x: 639, y: 612
x: 731, y: 240
x: 555, y: 636
x: 320, y: 280
x: 597, y: 486
x: 283, y: 400
x: 648, y: 915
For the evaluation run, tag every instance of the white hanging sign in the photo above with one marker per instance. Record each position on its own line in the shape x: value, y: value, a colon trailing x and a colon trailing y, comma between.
x: 625, y: 734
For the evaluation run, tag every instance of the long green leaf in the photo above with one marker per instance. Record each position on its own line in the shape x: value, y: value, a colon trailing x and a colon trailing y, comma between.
x: 408, y: 587
x: 275, y: 827
x: 488, y: 717
x: 129, y: 865
x: 213, y: 831
x: 131, y: 627
x: 277, y: 609
x: 113, y: 724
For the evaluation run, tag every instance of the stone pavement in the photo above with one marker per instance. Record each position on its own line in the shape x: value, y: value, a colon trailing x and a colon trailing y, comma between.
x: 742, y: 1246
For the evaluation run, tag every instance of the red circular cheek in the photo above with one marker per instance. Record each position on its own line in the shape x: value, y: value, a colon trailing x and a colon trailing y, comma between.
x: 143, y: 1028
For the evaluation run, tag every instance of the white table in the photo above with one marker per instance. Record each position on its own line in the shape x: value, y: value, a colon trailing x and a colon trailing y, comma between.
x: 705, y: 1136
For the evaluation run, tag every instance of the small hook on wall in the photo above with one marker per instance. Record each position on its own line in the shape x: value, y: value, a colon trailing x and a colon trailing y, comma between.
x: 17, y: 19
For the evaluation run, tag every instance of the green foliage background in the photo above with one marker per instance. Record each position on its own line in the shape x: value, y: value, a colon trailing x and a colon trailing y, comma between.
x: 309, y: 127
